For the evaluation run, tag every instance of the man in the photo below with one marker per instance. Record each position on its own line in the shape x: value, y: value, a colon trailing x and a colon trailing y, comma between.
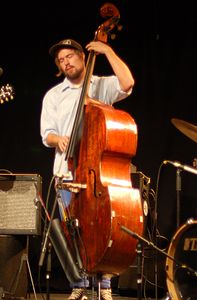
x: 60, y: 105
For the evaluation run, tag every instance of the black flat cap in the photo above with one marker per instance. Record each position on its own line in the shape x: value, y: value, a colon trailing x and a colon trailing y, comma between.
x: 64, y: 44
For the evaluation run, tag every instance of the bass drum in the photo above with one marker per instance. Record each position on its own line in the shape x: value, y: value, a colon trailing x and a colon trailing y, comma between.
x: 181, y: 263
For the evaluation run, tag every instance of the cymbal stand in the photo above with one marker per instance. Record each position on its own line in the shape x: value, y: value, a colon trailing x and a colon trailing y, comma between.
x: 178, y: 190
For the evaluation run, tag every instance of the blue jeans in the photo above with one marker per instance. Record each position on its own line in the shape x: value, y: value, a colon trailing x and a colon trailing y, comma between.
x: 105, y: 280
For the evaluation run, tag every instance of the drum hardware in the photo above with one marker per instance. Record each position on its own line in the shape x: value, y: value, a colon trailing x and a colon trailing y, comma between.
x: 186, y: 128
x: 179, y: 167
x: 190, y: 131
x: 181, y: 278
x: 178, y: 263
x: 178, y: 191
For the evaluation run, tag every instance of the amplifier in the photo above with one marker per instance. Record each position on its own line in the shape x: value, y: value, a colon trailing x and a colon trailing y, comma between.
x: 20, y: 208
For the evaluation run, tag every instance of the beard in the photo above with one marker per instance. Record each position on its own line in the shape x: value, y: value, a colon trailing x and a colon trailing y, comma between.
x: 74, y: 73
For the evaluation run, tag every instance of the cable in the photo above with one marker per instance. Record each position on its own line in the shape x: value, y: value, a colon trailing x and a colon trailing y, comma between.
x: 155, y: 228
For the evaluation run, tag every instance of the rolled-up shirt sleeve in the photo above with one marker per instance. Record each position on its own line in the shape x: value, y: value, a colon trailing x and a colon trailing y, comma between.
x: 107, y: 89
x: 48, y: 118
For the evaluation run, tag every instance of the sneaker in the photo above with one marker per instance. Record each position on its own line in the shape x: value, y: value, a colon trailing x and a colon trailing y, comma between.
x: 106, y: 294
x: 78, y: 294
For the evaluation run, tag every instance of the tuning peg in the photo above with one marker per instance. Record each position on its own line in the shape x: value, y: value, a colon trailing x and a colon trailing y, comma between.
x: 113, y: 36
x: 119, y: 27
x: 6, y: 93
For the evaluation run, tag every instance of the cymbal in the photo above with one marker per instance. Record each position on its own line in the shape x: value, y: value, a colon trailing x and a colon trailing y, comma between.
x: 186, y: 128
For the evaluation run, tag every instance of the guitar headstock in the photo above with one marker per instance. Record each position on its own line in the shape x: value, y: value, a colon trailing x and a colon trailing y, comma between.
x: 6, y: 93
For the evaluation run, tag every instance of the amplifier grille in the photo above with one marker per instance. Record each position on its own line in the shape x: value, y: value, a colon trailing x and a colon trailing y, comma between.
x: 19, y: 203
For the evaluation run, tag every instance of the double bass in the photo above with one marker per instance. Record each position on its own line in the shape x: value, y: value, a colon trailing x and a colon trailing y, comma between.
x: 103, y: 198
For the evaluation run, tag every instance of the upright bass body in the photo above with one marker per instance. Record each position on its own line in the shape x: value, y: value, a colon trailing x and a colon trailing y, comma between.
x: 107, y: 201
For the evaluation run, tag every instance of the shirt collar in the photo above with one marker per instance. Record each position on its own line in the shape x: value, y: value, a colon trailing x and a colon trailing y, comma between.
x: 67, y: 84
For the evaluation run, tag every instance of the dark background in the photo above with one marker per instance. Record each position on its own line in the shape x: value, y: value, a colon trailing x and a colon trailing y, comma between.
x: 159, y: 43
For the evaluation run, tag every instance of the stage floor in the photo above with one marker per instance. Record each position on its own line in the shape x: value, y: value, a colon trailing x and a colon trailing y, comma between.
x: 116, y: 296
x: 65, y: 296
x: 54, y: 296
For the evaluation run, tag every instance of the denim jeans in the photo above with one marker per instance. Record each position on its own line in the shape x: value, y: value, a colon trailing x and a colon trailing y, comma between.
x: 84, y: 283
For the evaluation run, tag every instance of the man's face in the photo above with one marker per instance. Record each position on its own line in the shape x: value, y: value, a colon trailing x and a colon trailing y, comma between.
x: 71, y: 62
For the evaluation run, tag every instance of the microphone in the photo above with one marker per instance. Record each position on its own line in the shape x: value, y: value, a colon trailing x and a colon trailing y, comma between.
x: 1, y: 71
x: 135, y: 235
x: 181, y: 166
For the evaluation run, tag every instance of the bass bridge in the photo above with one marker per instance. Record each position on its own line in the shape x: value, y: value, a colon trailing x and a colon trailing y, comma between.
x: 73, y: 187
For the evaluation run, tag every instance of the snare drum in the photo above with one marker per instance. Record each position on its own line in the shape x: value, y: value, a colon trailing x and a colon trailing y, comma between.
x: 181, y: 270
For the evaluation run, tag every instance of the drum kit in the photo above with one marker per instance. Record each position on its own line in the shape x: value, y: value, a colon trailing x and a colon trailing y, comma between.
x: 181, y: 261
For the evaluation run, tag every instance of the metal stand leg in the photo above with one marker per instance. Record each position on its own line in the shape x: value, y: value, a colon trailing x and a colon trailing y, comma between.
x: 99, y: 289
x: 139, y: 271
x: 24, y: 258
x: 48, y: 271
x: 92, y: 294
x: 93, y: 288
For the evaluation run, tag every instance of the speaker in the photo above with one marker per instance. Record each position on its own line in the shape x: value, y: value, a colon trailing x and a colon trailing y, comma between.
x: 142, y: 182
x: 12, y: 249
x: 20, y: 208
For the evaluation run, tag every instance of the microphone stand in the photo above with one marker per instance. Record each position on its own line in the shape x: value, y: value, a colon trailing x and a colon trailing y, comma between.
x: 57, y: 238
x: 47, y: 246
x: 48, y: 271
x: 142, y: 239
x: 44, y: 247
x: 139, y: 270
